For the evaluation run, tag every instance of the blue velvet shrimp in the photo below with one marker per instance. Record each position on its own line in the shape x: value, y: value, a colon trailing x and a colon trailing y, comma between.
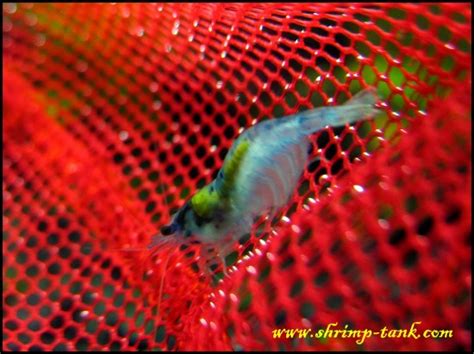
x: 259, y: 175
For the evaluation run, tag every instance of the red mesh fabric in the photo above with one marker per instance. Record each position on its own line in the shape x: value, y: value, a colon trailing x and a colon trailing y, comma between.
x: 114, y: 115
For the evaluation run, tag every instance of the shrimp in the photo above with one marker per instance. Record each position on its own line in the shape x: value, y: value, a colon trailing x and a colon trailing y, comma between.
x: 258, y: 176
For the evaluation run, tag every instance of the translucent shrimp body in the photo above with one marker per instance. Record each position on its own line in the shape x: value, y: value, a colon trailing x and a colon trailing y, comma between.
x: 259, y: 175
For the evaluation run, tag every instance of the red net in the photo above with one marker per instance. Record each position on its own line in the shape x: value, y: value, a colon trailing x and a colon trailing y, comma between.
x: 114, y: 115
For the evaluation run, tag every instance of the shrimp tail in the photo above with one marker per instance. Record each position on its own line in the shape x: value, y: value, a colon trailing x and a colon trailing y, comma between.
x: 359, y: 107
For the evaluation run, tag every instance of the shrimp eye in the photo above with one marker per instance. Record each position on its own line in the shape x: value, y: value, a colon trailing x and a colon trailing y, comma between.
x: 168, y: 229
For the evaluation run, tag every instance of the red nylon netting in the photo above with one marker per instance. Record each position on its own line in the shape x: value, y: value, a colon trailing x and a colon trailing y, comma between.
x: 113, y: 115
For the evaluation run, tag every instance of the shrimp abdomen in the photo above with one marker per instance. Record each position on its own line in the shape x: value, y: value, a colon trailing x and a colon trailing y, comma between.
x: 270, y: 173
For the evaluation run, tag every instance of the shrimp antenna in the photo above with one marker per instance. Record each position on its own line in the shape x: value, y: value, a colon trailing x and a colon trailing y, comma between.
x: 156, y: 242
x: 162, y: 281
